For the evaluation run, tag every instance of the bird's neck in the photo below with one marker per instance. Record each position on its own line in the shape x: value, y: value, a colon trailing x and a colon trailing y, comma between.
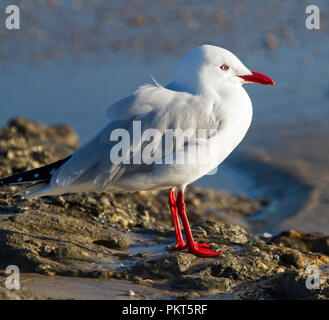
x: 217, y: 91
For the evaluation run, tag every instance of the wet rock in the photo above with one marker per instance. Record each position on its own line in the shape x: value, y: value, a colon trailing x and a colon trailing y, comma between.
x: 13, y: 294
x: 287, y: 285
x: 144, y: 282
x: 191, y: 295
x: 25, y: 144
x: 315, y: 242
x: 224, y: 233
x: 163, y: 267
x: 294, y: 259
x: 114, y: 240
x: 201, y: 281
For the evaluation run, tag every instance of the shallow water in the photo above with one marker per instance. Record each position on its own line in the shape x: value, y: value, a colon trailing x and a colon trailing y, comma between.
x: 58, y: 287
x: 67, y: 64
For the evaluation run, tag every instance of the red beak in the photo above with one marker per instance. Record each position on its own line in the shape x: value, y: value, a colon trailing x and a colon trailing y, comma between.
x: 258, y: 78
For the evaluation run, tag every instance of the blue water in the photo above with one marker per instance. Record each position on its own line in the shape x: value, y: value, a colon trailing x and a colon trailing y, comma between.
x: 59, y: 91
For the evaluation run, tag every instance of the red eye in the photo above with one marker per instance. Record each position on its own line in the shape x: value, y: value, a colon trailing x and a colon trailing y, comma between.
x: 224, y: 67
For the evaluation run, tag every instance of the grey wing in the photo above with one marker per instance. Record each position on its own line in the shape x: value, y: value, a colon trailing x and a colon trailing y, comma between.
x: 91, y: 167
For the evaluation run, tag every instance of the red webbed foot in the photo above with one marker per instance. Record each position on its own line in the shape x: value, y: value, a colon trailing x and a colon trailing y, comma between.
x: 183, y: 245
x: 199, y: 251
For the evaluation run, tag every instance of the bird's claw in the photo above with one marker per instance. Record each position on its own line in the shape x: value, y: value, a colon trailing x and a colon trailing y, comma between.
x: 183, y: 245
x: 199, y: 249
x: 203, y: 252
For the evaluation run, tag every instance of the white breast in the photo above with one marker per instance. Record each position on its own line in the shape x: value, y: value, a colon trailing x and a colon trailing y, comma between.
x: 235, y: 112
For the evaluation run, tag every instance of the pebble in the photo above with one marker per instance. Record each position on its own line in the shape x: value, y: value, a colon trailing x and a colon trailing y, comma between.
x: 280, y: 270
x: 160, y: 239
x: 262, y: 265
x: 49, y: 249
x: 254, y: 250
x: 61, y: 199
x: 131, y: 293
x: 266, y: 235
x: 105, y: 202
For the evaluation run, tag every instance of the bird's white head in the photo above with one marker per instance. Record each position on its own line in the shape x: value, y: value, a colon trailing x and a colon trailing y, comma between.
x: 211, y: 68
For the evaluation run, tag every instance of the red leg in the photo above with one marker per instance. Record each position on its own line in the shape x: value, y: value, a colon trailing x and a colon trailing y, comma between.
x: 192, y: 246
x: 180, y: 244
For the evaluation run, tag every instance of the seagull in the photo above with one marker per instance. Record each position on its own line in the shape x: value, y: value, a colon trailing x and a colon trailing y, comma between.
x: 133, y: 152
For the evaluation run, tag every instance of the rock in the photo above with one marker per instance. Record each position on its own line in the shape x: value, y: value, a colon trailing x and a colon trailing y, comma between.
x: 315, y: 242
x: 162, y: 267
x: 224, y: 233
x: 113, y: 240
x: 201, y: 281
x: 21, y: 294
x: 131, y: 293
x: 294, y: 259
x: 287, y: 285
x: 191, y: 295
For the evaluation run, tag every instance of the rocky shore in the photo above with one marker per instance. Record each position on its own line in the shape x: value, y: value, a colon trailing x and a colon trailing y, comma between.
x: 131, y: 237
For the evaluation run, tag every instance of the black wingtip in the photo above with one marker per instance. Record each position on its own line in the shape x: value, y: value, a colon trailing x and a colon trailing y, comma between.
x: 42, y: 174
